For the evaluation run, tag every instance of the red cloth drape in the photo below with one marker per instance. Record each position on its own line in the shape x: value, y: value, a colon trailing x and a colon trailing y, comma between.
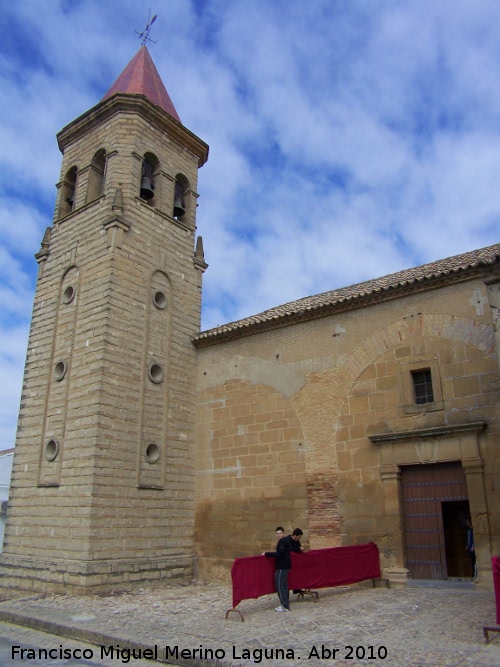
x: 322, y: 568
x: 495, y: 563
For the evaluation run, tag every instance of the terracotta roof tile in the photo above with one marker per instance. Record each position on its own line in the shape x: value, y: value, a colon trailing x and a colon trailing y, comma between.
x: 140, y: 77
x: 313, y: 305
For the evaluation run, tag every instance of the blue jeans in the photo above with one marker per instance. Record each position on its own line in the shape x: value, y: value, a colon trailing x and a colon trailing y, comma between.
x: 281, y: 583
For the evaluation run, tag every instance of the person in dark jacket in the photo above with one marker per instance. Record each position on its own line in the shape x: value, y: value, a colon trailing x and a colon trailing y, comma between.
x: 284, y: 548
x: 471, y: 549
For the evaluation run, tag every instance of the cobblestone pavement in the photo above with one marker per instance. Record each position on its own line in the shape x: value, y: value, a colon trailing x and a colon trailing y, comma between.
x: 15, y: 639
x: 356, y: 625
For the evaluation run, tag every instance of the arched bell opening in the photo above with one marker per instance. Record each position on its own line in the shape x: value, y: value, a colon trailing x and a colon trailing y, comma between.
x: 149, y: 181
x: 68, y: 192
x: 180, y: 207
x: 95, y: 187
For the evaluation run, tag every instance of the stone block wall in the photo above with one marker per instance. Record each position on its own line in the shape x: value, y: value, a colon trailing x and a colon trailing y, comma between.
x: 346, y: 378
x: 110, y: 375
x: 251, y: 478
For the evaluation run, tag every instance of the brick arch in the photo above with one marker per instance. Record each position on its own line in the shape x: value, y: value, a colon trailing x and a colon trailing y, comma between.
x: 320, y: 403
x: 425, y: 325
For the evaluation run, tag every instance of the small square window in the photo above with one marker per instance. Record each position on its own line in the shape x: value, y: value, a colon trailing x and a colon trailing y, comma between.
x: 422, y: 386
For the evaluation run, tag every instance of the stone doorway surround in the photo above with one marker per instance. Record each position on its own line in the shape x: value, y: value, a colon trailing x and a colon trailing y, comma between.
x: 440, y: 444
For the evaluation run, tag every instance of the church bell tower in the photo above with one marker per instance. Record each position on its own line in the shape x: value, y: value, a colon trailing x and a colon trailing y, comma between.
x: 102, y: 493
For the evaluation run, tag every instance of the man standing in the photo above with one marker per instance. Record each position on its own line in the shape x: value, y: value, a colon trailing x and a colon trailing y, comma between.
x: 471, y: 549
x: 283, y: 564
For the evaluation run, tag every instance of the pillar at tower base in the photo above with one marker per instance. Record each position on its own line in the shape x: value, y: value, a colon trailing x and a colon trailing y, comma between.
x: 71, y: 577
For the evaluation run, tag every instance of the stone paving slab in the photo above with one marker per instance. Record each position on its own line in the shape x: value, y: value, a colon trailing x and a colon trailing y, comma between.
x: 355, y: 625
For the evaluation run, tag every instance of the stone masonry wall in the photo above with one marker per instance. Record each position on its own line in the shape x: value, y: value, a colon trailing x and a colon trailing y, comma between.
x: 343, y: 377
x: 251, y: 478
x: 107, y: 512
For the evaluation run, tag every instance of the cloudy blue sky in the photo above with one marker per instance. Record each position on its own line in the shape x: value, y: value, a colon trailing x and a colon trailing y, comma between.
x: 348, y: 138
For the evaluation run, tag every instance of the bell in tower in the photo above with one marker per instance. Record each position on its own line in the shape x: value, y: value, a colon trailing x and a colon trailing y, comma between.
x: 179, y: 205
x: 147, y: 183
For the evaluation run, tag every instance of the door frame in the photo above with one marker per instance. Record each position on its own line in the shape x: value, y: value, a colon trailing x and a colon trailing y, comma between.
x: 434, y: 445
x: 424, y: 489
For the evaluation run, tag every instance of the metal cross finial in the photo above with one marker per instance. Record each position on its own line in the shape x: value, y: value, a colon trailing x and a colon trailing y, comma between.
x: 144, y: 35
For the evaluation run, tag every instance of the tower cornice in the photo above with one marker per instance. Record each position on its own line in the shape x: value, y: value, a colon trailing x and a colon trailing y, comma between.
x: 137, y: 105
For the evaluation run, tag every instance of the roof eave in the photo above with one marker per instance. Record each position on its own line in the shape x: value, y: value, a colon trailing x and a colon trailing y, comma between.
x: 243, y: 328
x: 138, y: 104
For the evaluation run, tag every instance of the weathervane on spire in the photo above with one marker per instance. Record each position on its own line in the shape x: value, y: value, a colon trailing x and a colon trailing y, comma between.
x: 144, y: 35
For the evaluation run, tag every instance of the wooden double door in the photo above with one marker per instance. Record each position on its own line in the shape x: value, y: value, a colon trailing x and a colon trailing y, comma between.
x: 435, y: 506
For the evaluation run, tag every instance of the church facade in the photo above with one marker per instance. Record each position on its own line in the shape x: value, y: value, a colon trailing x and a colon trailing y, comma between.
x: 149, y: 452
x: 368, y: 413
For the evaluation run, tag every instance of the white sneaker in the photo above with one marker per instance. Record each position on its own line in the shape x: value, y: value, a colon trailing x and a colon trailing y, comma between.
x: 280, y: 608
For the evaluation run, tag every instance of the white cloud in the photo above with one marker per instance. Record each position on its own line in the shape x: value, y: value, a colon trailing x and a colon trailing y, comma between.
x: 347, y: 139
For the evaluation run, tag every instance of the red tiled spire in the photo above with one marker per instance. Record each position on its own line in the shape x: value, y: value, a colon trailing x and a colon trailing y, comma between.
x: 141, y: 77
